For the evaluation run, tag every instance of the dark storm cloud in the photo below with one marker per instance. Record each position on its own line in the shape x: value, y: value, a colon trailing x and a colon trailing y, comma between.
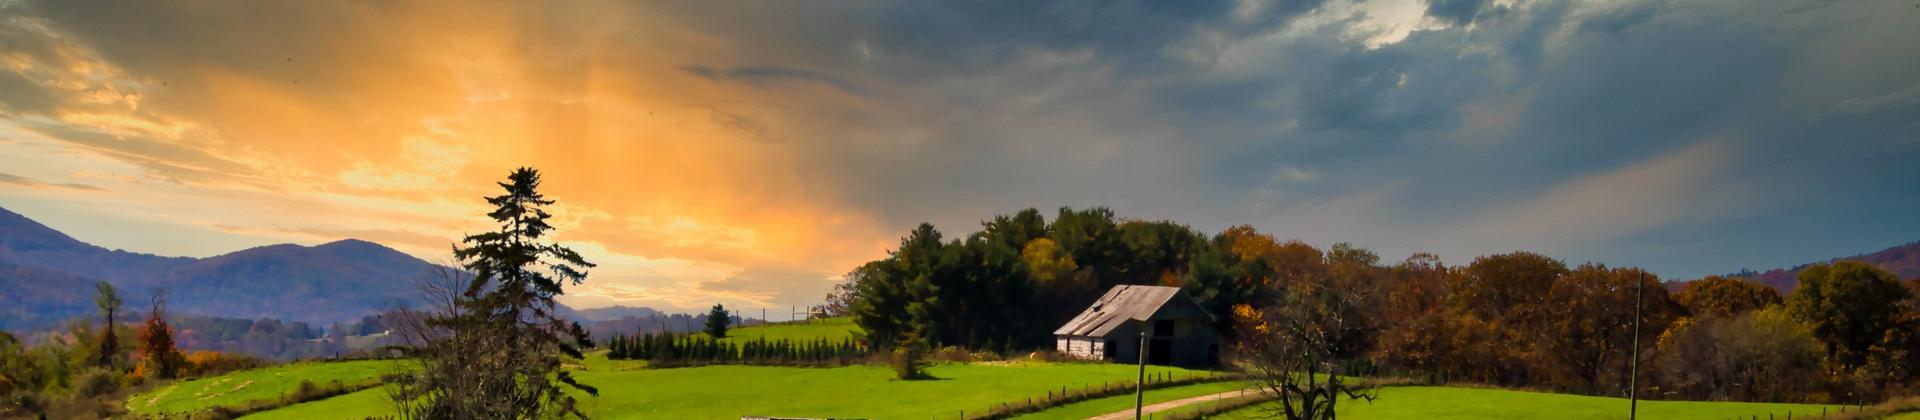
x: 1456, y: 121
x: 1455, y: 12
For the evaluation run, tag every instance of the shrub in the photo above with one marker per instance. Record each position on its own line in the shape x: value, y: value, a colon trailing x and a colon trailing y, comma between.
x: 909, y: 360
x: 953, y: 354
x: 203, y: 363
x: 95, y: 382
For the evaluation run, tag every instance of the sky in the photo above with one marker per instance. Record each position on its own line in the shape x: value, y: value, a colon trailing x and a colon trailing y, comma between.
x: 751, y: 152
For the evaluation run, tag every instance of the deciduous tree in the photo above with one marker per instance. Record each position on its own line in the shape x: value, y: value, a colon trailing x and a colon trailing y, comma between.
x: 1725, y: 296
x: 1759, y: 355
x: 1589, y: 316
x: 161, y: 360
x: 1849, y: 304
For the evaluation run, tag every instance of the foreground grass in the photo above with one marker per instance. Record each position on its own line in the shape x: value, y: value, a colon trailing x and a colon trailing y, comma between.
x: 238, y: 388
x: 1098, y: 406
x: 729, y: 392
x: 1473, y: 403
x: 831, y: 329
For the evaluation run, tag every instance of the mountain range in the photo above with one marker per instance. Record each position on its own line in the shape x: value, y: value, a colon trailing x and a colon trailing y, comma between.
x: 50, y: 277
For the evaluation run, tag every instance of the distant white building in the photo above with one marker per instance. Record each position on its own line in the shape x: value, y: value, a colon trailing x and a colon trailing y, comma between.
x: 1179, y: 331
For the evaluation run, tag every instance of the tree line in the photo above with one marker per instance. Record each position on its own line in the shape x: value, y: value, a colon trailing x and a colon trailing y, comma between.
x: 679, y: 349
x: 1847, y: 333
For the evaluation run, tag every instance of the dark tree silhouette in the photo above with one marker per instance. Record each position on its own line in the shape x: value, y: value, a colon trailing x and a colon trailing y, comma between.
x: 108, y: 299
x: 717, y: 322
x: 492, y: 348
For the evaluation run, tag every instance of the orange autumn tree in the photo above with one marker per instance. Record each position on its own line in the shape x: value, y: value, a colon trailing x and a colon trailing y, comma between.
x: 161, y: 360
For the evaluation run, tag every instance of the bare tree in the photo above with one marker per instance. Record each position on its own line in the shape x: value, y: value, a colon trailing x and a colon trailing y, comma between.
x: 437, y: 350
x: 1296, y: 351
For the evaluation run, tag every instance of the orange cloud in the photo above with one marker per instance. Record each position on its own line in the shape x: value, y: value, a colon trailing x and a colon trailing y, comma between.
x: 390, y: 128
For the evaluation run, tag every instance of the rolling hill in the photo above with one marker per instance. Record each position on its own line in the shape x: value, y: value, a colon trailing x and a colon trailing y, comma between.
x: 1903, y: 261
x: 38, y: 298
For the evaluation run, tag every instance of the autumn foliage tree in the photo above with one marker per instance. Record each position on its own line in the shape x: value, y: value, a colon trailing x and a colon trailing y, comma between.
x: 1589, y: 313
x: 161, y: 359
x: 1761, y: 355
x: 1725, y: 296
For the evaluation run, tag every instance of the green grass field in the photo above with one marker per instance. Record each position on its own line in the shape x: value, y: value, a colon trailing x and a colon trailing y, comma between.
x: 1474, y: 403
x: 249, y: 385
x: 358, y: 405
x: 1098, y: 406
x: 832, y: 329
x: 728, y: 392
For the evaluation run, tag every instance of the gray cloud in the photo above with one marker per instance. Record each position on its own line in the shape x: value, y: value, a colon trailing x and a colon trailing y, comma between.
x: 763, y: 76
x: 1457, y: 12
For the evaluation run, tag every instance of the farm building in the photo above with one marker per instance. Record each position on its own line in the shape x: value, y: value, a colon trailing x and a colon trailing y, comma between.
x: 1179, y: 331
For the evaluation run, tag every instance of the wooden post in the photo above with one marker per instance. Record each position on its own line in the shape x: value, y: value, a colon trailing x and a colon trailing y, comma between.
x: 1139, y: 385
x: 1633, y: 378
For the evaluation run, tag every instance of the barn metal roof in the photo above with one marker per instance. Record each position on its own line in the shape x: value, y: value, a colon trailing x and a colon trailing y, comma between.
x: 1121, y: 303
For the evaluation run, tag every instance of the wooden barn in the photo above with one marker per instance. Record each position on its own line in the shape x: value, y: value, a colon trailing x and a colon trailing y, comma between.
x: 1179, y: 331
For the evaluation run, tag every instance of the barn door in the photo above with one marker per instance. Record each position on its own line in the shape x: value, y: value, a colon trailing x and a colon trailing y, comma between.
x: 1160, y: 351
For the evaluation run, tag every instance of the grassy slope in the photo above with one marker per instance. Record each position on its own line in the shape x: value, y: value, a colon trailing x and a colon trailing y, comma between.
x: 1094, y: 407
x: 832, y: 329
x: 358, y: 405
x: 728, y: 392
x: 249, y: 385
x: 1473, y: 403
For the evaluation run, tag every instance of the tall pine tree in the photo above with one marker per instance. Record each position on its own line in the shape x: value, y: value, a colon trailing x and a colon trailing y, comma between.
x: 499, y: 347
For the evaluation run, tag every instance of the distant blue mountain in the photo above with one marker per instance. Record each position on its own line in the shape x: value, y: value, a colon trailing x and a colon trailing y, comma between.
x: 49, y: 276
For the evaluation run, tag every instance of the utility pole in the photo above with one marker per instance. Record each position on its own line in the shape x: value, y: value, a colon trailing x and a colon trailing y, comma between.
x: 1140, y: 383
x: 1633, y: 378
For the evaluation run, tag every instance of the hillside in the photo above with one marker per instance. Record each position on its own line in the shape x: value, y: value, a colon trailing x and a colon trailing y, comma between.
x: 27, y: 242
x: 337, y: 281
x: 38, y: 298
x: 1902, y: 261
x: 50, y: 277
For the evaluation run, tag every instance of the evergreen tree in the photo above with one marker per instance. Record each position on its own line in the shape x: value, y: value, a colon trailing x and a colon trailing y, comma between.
x: 717, y: 322
x: 503, y: 341
x: 109, y: 301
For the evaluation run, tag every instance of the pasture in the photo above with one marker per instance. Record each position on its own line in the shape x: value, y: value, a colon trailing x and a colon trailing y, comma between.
x: 250, y: 385
x: 728, y: 392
